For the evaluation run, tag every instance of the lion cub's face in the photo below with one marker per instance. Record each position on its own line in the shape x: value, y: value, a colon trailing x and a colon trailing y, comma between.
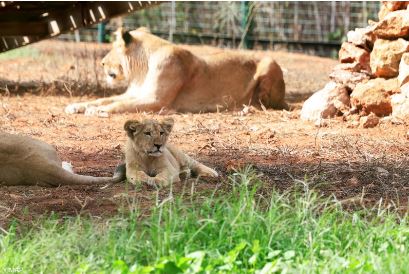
x: 149, y: 136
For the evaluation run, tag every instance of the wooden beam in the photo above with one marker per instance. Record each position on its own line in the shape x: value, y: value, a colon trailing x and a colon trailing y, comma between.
x: 23, y: 28
x: 60, y: 17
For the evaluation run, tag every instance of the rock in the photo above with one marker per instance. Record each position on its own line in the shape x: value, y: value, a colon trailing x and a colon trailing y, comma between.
x: 386, y: 55
x: 321, y: 123
x: 362, y: 37
x: 394, y: 25
x: 400, y: 103
x: 389, y: 6
x: 348, y: 78
x: 404, y: 89
x: 352, y: 124
x: 355, y: 67
x: 403, y: 76
x: 373, y: 96
x: 349, y: 53
x: 328, y: 102
x: 369, y: 121
x: 382, y: 171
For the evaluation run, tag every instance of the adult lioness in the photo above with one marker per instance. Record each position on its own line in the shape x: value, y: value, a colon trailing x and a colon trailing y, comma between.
x: 151, y: 160
x: 165, y: 76
x: 26, y: 161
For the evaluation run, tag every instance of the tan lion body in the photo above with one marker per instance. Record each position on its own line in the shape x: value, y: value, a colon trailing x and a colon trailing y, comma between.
x: 165, y: 76
x: 26, y: 161
x: 150, y: 160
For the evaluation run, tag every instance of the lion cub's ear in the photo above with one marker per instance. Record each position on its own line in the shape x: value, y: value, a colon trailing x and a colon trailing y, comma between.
x: 167, y: 124
x: 132, y: 126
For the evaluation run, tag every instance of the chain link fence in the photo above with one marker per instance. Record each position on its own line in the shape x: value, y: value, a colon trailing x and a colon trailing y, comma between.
x: 311, y: 27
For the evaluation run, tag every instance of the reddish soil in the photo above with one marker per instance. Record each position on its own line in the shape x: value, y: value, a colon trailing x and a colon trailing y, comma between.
x: 354, y: 165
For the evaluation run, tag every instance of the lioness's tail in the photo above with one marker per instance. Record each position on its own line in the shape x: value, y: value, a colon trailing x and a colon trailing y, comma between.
x: 61, y: 176
x: 270, y: 90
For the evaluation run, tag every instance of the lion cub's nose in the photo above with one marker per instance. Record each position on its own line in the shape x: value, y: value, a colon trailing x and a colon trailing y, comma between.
x: 157, y: 146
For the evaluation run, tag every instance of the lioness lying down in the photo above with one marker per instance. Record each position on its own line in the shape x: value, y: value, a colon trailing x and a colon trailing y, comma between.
x: 164, y: 76
x: 151, y: 160
x: 26, y: 161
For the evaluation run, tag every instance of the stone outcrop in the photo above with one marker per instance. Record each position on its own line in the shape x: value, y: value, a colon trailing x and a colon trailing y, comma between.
x: 350, y: 53
x: 394, y: 25
x: 331, y: 101
x: 403, y: 76
x: 389, y: 6
x: 369, y: 121
x: 373, y: 72
x: 400, y: 103
x: 386, y: 55
x: 374, y: 96
x: 348, y: 78
x: 362, y: 37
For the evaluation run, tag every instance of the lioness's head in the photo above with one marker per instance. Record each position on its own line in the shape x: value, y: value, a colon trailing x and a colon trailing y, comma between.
x: 113, y: 62
x: 116, y: 62
x: 149, y: 136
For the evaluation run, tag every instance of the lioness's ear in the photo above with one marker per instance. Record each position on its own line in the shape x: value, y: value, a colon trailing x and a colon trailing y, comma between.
x: 132, y: 126
x: 144, y: 29
x: 167, y: 124
x: 122, y: 37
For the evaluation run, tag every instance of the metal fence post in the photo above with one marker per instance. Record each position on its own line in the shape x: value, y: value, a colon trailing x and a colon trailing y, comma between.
x: 101, y: 33
x: 246, y: 23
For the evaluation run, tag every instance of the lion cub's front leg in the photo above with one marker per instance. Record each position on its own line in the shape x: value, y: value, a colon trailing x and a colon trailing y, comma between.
x: 160, y: 180
x: 200, y: 169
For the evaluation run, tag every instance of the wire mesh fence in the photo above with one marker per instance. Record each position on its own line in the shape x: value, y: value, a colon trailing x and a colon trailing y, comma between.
x: 294, y: 25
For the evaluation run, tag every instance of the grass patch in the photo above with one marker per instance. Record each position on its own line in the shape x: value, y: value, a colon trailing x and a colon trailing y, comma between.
x: 22, y: 52
x: 237, y: 232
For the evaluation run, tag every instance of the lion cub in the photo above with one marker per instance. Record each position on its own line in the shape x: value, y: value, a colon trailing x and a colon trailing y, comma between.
x: 149, y: 159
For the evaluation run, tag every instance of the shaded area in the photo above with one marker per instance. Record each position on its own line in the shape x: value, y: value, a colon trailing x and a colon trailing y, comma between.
x: 357, y: 166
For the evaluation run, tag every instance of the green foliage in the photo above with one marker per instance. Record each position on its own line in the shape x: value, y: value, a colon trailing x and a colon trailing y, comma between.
x: 337, y: 35
x: 240, y: 231
x: 22, y: 52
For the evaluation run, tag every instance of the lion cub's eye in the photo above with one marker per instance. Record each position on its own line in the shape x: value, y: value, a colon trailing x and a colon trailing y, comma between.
x: 161, y: 133
x: 147, y: 133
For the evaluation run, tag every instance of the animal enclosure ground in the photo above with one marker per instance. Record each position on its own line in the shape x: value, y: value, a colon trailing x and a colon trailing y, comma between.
x: 357, y: 166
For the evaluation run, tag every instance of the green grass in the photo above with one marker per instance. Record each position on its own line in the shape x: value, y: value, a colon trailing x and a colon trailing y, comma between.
x: 238, y: 232
x: 20, y: 53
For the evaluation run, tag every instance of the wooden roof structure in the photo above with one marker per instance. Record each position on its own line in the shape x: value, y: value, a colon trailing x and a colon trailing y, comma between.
x: 23, y: 23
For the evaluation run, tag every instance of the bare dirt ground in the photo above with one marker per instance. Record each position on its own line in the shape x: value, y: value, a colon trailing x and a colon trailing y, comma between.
x: 352, y: 164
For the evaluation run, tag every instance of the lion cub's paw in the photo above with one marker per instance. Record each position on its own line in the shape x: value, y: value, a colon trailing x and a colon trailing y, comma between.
x: 75, y: 108
x: 208, y: 172
x: 185, y: 173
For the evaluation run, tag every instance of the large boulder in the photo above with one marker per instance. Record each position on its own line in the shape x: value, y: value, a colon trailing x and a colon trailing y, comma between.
x: 350, y: 53
x: 394, y: 25
x: 374, y: 96
x: 403, y: 76
x: 400, y: 103
x: 328, y: 102
x: 386, y: 55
